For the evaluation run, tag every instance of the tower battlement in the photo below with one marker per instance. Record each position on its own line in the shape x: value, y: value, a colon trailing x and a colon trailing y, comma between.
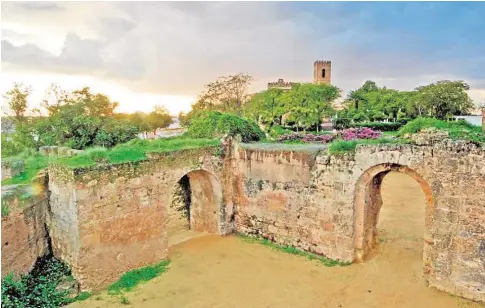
x: 322, y: 62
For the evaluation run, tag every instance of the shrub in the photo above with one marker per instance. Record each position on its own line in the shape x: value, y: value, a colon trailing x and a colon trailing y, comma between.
x: 342, y: 123
x: 382, y: 126
x: 277, y: 131
x: 323, y: 138
x: 216, y: 124
x: 39, y: 287
x: 360, y: 133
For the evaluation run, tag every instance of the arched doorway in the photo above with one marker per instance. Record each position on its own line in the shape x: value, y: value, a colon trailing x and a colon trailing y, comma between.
x: 195, y: 206
x: 367, y: 207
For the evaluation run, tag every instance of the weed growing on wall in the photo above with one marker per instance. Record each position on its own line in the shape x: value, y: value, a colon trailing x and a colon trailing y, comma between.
x: 294, y: 251
x: 131, y: 279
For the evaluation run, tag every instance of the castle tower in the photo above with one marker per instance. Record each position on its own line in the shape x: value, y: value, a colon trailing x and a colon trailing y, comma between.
x: 322, y: 71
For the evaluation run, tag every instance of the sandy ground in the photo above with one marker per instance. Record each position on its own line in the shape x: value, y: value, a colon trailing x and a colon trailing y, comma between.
x: 212, y: 272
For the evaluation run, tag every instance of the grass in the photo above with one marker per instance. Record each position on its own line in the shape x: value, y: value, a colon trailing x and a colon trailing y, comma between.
x: 32, y: 165
x: 457, y: 130
x: 5, y: 209
x: 131, y: 279
x: 135, y: 150
x: 294, y: 251
x: 390, y: 134
x: 83, y: 296
x: 342, y: 147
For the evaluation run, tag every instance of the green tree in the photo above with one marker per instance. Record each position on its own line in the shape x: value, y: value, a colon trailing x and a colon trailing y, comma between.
x: 17, y: 100
x: 266, y: 107
x: 81, y: 119
x: 307, y: 103
x: 158, y: 118
x: 227, y: 94
x: 442, y: 100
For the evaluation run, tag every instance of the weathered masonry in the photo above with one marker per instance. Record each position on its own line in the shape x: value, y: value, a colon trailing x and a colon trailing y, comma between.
x: 106, y: 220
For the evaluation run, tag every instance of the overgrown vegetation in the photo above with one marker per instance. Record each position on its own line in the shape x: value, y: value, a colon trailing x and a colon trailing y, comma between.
x: 39, y: 288
x: 134, y: 150
x: 294, y: 251
x: 33, y: 163
x: 215, y: 124
x: 77, y: 119
x: 131, y: 279
x: 458, y: 130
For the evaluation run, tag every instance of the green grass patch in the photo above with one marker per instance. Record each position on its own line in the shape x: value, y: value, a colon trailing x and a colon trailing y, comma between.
x: 135, y: 150
x: 83, y: 296
x: 294, y: 251
x: 5, y: 209
x: 390, y: 134
x: 131, y: 279
x: 457, y: 130
x: 32, y: 165
x: 124, y: 301
x: 342, y: 147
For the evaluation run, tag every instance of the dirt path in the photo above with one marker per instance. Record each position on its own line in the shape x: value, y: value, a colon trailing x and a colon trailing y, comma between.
x: 224, y: 272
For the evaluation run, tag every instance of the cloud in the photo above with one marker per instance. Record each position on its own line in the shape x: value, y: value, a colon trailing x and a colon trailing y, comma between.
x: 177, y: 47
x: 39, y: 6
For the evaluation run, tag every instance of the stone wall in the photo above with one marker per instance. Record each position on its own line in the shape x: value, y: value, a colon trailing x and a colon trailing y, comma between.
x: 24, y: 232
x: 114, y: 217
x: 330, y: 204
x: 58, y: 151
x: 11, y: 168
x: 108, y: 219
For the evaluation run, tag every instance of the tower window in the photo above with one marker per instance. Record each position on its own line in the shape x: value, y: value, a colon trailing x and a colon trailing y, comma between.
x: 323, y: 73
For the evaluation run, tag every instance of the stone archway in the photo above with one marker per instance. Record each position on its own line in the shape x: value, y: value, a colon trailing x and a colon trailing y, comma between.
x: 195, y: 205
x: 367, y: 205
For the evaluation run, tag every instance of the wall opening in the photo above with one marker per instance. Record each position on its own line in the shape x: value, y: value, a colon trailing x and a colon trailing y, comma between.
x: 392, y: 210
x: 195, y: 207
x: 323, y: 73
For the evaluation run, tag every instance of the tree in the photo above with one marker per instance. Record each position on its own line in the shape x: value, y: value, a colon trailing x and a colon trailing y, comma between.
x: 307, y: 103
x: 54, y: 98
x: 81, y: 119
x: 227, y: 94
x: 266, y: 107
x: 442, y: 99
x: 158, y: 118
x: 17, y: 100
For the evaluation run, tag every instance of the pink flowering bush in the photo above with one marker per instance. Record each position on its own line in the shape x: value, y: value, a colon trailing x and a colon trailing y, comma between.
x: 346, y: 135
x: 360, y: 133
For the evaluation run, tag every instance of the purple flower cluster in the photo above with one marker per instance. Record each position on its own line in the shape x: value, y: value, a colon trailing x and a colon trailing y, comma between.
x: 307, y: 138
x: 346, y: 134
x: 360, y: 133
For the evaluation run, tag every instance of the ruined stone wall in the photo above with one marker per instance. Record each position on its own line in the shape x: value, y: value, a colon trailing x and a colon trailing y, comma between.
x: 327, y: 204
x: 11, y: 168
x: 118, y: 213
x: 24, y: 232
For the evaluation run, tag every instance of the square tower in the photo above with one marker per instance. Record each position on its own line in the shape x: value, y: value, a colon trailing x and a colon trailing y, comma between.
x: 322, y: 71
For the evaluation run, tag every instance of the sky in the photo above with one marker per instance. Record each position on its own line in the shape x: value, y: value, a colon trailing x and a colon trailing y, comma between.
x: 146, y: 53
